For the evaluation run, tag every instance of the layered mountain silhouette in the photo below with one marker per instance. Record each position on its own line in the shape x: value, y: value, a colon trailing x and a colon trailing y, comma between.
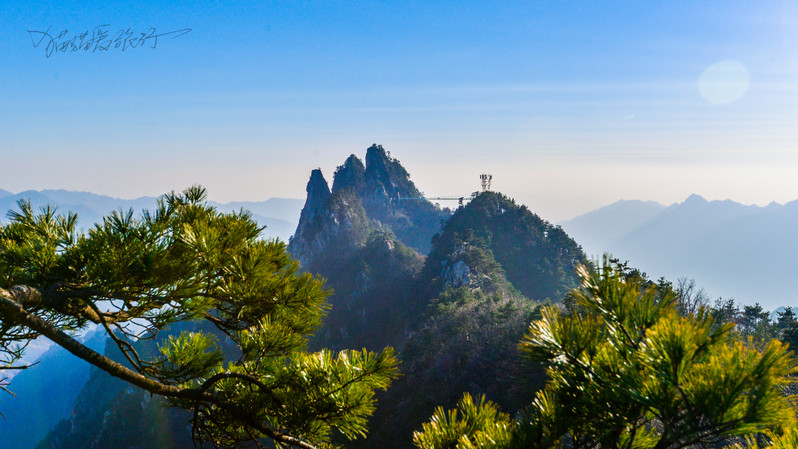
x: 732, y: 250
x: 110, y: 413
x: 452, y: 291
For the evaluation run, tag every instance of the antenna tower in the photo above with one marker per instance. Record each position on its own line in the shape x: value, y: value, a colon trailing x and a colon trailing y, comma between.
x: 485, y: 181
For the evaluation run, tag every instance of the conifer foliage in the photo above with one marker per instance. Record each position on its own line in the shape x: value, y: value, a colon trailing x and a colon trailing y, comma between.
x: 183, y: 262
x: 627, y: 371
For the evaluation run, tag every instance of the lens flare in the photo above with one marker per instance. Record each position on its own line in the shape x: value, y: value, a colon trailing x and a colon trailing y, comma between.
x: 724, y: 82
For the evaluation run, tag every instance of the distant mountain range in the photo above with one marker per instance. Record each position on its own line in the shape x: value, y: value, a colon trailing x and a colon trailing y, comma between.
x: 730, y: 249
x: 279, y: 215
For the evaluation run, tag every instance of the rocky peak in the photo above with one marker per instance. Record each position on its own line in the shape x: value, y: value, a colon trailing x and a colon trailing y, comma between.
x: 377, y: 159
x: 349, y: 175
x: 386, y: 178
x: 363, y: 198
x: 318, y: 193
x: 309, y: 220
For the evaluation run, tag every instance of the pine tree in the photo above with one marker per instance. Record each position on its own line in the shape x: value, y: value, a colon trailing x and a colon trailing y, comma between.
x: 627, y: 371
x: 787, y: 328
x: 187, y: 262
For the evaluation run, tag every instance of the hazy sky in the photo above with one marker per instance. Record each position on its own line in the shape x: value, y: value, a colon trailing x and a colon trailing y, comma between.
x: 571, y: 105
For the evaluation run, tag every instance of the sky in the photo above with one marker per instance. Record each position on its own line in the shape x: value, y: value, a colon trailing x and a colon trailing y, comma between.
x: 570, y: 105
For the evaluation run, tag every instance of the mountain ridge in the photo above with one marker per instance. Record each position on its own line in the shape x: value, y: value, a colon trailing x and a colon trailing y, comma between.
x: 712, y: 242
x: 279, y: 215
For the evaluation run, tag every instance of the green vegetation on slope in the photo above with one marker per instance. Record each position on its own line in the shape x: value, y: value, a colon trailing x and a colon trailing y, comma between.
x: 627, y: 370
x: 538, y: 258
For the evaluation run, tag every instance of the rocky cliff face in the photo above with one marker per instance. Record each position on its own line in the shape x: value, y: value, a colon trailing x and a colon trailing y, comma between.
x: 329, y: 224
x: 385, y: 179
x: 318, y: 193
x: 376, y: 196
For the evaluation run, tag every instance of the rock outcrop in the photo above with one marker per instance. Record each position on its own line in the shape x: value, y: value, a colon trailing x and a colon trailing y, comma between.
x: 318, y: 193
x: 376, y: 196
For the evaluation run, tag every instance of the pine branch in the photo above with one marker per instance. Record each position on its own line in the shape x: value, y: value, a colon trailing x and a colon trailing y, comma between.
x: 12, y: 309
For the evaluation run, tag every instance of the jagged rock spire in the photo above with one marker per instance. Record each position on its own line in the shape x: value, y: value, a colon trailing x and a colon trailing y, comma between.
x: 318, y: 198
x: 318, y: 193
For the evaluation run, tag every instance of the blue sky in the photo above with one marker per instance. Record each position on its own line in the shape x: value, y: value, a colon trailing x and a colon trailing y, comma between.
x: 570, y: 105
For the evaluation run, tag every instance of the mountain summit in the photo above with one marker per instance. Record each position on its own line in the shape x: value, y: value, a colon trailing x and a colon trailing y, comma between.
x: 376, y: 196
x: 492, y: 233
x: 350, y: 175
x: 318, y: 193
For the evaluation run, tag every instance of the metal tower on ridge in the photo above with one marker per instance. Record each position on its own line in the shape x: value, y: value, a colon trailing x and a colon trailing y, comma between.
x: 486, y: 178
